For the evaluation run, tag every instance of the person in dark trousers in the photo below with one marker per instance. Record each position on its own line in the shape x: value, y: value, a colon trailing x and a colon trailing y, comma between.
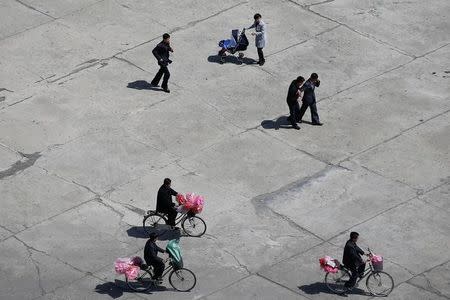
x: 352, y: 259
x: 161, y: 52
x: 309, y: 99
x: 292, y: 101
x: 260, y: 37
x: 151, y: 256
x: 164, y: 202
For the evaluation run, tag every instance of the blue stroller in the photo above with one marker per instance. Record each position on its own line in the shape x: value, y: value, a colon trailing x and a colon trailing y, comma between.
x: 237, y: 43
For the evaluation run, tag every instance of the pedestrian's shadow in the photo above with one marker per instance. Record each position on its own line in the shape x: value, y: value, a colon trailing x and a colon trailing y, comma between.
x: 143, y: 85
x: 280, y: 122
x: 232, y: 59
x: 321, y: 287
x: 163, y: 231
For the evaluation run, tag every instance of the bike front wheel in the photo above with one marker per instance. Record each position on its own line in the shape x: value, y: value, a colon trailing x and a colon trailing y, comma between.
x: 183, y: 280
x: 336, y: 281
x: 142, y: 282
x: 194, y: 226
x: 380, y: 284
x: 152, y: 221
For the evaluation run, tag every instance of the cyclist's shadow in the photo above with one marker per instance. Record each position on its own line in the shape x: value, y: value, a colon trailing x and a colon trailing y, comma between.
x: 163, y: 231
x: 117, y: 288
x: 321, y: 287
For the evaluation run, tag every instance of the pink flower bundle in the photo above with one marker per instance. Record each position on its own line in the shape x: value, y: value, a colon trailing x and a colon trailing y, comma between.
x: 128, y: 266
x: 376, y: 259
x: 191, y: 202
x: 329, y: 265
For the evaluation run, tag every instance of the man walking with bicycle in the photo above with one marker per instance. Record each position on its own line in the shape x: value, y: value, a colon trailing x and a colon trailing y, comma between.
x: 352, y: 259
x: 164, y: 202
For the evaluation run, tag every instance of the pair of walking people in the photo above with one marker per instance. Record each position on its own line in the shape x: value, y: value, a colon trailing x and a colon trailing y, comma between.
x: 298, y: 87
x: 163, y: 49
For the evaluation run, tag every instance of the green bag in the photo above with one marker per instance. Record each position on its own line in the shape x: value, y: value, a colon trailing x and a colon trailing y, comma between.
x: 174, y: 250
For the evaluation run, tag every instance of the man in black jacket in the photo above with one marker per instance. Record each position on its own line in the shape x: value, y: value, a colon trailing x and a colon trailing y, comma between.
x: 309, y: 98
x: 164, y: 202
x: 292, y: 101
x: 151, y: 256
x: 161, y: 52
x: 352, y: 259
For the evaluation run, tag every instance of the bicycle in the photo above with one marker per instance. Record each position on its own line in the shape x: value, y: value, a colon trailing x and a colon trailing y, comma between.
x: 376, y: 278
x: 181, y: 279
x: 191, y: 224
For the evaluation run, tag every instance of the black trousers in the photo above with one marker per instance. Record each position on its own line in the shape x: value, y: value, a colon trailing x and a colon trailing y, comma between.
x: 158, y: 266
x: 171, y: 216
x: 163, y: 70
x: 355, y: 272
x: 312, y: 106
x: 261, y: 55
x: 294, y: 112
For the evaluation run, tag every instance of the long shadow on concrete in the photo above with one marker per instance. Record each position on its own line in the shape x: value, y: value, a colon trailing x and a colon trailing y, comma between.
x: 143, y: 85
x: 280, y: 122
x: 163, y: 231
x: 117, y: 288
x: 321, y: 287
x: 232, y: 59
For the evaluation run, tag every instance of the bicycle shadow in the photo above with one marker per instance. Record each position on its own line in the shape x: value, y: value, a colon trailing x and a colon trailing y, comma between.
x: 117, y: 288
x: 163, y: 231
x: 321, y: 287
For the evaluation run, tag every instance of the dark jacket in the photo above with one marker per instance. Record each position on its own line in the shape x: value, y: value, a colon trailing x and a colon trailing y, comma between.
x: 293, y: 93
x: 309, y: 97
x: 161, y: 53
x: 151, y: 251
x: 352, y: 255
x: 164, y: 199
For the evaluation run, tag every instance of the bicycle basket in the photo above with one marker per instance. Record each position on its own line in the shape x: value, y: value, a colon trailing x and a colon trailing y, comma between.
x: 377, y: 266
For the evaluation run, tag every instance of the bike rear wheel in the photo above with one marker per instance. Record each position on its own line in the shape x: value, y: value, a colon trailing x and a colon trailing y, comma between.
x: 380, y: 284
x: 194, y: 226
x: 142, y: 282
x: 152, y: 221
x: 183, y: 280
x: 336, y: 281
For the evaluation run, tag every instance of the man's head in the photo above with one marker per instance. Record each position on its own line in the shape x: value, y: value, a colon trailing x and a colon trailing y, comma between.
x: 257, y: 18
x: 153, y: 236
x: 167, y: 182
x: 300, y: 80
x: 314, y: 77
x: 166, y: 38
x: 354, y: 236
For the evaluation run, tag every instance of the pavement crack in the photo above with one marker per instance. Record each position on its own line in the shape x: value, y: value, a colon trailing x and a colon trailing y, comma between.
x: 237, y: 261
x: 35, y: 9
x: 130, y: 63
x: 20, y: 165
x: 17, y: 102
x: 86, y: 188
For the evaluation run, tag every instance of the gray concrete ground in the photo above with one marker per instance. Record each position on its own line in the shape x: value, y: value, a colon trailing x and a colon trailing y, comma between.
x: 82, y: 155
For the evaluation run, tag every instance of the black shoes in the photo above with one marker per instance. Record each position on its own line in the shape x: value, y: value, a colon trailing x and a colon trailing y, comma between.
x: 166, y: 90
x: 261, y: 63
x: 296, y: 127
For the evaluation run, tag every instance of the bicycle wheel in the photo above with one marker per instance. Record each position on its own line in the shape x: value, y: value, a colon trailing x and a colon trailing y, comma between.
x: 152, y: 221
x: 182, y: 280
x: 380, y: 284
x: 336, y: 281
x: 142, y: 282
x: 194, y: 226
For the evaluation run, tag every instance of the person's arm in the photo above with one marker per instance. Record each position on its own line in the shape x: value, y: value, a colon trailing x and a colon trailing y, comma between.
x: 252, y: 26
x: 160, y: 249
x: 359, y: 250
x: 173, y: 192
x: 156, y: 53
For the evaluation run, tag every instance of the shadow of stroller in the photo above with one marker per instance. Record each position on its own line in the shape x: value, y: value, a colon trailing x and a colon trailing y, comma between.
x: 163, y: 231
x: 232, y: 59
x: 321, y: 287
x: 280, y: 122
x: 143, y: 85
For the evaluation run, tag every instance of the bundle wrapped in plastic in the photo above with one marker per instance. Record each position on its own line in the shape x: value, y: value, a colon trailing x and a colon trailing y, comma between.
x: 192, y: 202
x: 377, y: 262
x: 128, y: 266
x: 174, y: 250
x: 329, y: 265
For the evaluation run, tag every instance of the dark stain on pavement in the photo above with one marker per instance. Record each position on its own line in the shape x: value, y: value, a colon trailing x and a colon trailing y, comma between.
x: 20, y: 165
